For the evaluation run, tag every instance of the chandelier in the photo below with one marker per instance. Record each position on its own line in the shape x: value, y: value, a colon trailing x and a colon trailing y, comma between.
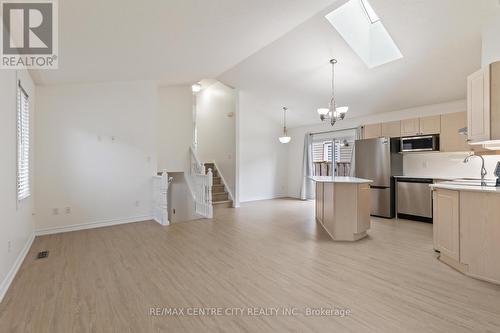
x: 333, y: 113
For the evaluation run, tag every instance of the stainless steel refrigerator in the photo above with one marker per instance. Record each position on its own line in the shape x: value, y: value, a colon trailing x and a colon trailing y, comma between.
x: 380, y: 160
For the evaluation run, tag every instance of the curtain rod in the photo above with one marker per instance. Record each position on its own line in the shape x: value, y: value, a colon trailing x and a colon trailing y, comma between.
x: 332, y: 131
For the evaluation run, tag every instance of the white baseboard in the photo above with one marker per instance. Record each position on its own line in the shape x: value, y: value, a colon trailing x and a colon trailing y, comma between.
x: 92, y: 225
x: 4, y: 286
x: 278, y: 196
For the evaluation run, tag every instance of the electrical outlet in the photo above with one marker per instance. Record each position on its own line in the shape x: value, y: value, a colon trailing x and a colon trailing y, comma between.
x: 55, y: 211
x: 67, y: 210
x: 137, y: 203
x: 9, y: 246
x: 173, y: 211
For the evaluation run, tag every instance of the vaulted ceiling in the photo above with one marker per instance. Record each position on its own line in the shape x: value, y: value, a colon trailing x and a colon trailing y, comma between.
x: 440, y: 41
x: 276, y: 50
x: 172, y: 41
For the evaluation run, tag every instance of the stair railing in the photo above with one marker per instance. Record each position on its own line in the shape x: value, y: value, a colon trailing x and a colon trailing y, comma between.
x: 200, y: 185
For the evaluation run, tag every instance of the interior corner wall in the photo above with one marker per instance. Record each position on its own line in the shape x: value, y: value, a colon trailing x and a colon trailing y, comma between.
x: 95, y: 154
x: 215, y: 122
x: 16, y: 221
x: 491, y: 41
x: 262, y: 158
x: 174, y: 127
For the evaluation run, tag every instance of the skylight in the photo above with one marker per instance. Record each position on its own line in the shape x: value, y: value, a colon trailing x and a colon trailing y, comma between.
x: 359, y: 25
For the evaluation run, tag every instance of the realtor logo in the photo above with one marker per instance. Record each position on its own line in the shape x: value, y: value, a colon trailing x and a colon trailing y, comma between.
x: 29, y: 34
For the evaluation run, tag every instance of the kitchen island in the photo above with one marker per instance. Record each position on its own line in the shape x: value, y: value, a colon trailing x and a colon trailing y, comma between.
x: 343, y: 206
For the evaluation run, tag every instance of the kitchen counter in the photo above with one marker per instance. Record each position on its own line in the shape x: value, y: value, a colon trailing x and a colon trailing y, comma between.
x: 428, y: 177
x: 458, y: 185
x: 338, y: 179
x: 343, y: 206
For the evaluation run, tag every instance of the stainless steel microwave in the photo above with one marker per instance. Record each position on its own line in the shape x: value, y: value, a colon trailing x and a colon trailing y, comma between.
x: 420, y: 143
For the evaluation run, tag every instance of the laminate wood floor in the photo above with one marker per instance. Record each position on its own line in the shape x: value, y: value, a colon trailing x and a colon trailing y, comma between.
x: 264, y: 254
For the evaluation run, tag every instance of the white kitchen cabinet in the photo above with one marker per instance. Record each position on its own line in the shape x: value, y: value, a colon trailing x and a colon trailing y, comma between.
x: 410, y: 127
x: 450, y: 139
x: 372, y: 131
x: 391, y: 129
x: 483, y: 105
x: 430, y: 125
x: 447, y: 223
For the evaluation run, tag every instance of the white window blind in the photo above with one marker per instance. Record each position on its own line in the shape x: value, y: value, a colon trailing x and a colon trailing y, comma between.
x: 317, y: 150
x: 23, y: 144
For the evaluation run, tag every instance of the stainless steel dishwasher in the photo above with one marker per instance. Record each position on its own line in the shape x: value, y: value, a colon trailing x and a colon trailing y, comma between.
x: 414, y: 199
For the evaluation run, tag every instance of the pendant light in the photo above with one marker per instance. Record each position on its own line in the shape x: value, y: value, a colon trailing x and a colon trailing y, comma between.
x: 333, y: 113
x: 284, y: 138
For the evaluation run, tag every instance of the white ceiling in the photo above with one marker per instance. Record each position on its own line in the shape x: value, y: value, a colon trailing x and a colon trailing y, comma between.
x: 170, y: 41
x: 440, y: 41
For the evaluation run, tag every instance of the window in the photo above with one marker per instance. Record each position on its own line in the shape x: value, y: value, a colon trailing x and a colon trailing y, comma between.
x: 23, y: 144
x: 322, y: 151
x: 359, y: 25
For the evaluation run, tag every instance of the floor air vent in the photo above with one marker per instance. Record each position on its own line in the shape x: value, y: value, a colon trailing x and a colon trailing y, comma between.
x: 42, y: 254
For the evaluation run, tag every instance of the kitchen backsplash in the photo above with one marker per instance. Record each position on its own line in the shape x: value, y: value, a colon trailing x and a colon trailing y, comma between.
x: 447, y: 165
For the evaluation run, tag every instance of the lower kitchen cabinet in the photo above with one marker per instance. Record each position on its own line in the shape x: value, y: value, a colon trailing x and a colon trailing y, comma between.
x: 467, y: 231
x: 480, y: 234
x: 447, y: 223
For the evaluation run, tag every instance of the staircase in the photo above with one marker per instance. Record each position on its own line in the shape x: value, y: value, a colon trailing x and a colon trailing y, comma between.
x: 220, y: 197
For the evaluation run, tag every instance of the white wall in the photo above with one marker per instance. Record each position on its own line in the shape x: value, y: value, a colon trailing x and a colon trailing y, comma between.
x: 16, y: 222
x: 262, y: 158
x: 297, y: 145
x: 216, y: 108
x: 174, y: 127
x: 491, y: 41
x: 181, y: 205
x: 95, y: 153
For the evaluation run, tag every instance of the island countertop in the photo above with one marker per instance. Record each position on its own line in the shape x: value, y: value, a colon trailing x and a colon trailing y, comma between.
x: 338, y: 179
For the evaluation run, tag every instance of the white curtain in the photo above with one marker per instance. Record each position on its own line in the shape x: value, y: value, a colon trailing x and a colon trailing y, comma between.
x: 358, y: 136
x: 307, y: 169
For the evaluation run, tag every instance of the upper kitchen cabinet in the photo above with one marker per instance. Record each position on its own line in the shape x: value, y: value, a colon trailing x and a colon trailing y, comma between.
x: 430, y: 125
x: 450, y: 139
x: 421, y: 126
x: 391, y: 129
x: 410, y: 127
x: 372, y: 131
x: 483, y: 105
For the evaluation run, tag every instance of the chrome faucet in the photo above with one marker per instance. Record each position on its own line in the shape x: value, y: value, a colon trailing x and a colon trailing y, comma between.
x: 483, y: 169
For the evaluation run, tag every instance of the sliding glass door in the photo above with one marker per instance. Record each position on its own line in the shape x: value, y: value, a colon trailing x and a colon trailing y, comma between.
x: 332, y: 155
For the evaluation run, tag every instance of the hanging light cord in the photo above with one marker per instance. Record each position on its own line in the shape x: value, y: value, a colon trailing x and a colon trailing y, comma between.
x: 284, y: 119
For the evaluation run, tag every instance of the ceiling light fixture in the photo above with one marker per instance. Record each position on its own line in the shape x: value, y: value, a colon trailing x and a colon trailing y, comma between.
x: 196, y: 87
x: 333, y: 113
x: 284, y: 138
